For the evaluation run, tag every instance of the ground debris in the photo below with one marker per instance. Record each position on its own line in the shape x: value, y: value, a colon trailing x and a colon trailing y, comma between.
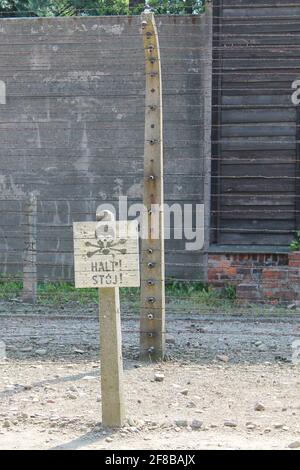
x: 259, y: 406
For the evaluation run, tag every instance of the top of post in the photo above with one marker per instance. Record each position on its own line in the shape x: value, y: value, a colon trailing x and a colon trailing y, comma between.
x: 147, y: 9
x: 32, y: 198
x: 104, y: 215
x: 147, y: 16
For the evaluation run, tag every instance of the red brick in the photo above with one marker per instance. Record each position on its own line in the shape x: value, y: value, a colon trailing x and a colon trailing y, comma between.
x: 270, y: 284
x: 214, y: 274
x: 269, y: 293
x: 232, y: 272
x: 294, y: 263
x: 214, y: 257
x: 286, y: 295
x: 213, y: 260
x: 248, y: 292
x: 244, y: 269
x: 294, y: 275
x: 273, y: 278
x: 294, y: 255
x: 271, y: 273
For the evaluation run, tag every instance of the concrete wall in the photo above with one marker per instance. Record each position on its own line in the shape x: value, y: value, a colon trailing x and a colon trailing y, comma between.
x: 72, y: 128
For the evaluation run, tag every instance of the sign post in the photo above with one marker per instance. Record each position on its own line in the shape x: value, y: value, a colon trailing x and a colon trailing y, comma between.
x: 106, y: 256
x: 30, y: 251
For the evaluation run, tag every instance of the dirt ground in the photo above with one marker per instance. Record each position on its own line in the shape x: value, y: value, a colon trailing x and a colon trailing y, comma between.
x: 219, y: 369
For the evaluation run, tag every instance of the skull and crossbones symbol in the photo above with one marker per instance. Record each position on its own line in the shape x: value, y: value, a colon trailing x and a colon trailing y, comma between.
x: 106, y: 246
x: 106, y: 240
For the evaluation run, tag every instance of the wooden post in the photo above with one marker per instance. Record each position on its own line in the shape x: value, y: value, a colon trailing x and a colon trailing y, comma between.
x: 113, y: 408
x: 30, y: 254
x: 152, y: 324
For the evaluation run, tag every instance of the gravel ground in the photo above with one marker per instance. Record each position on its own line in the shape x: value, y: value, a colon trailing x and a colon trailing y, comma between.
x: 229, y: 382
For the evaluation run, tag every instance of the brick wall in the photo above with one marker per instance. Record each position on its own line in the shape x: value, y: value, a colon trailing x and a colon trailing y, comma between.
x: 266, y: 277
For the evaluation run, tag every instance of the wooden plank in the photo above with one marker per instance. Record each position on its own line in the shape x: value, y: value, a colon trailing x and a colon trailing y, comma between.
x: 263, y: 51
x: 258, y: 115
x: 263, y: 143
x: 262, y: 224
x: 238, y: 4
x: 240, y: 200
x: 258, y: 156
x: 235, y: 238
x: 264, y: 12
x: 283, y: 64
x: 251, y: 130
x: 270, y: 170
x: 292, y: 39
x: 236, y: 97
x: 255, y: 185
x: 247, y: 80
x: 260, y: 28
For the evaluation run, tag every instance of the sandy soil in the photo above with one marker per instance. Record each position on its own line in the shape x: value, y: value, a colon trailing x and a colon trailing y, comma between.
x: 219, y: 367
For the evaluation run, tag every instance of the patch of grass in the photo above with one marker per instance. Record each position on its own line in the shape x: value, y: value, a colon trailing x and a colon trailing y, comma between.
x: 295, y: 245
x: 229, y: 292
x: 180, y: 288
x: 10, y: 287
x: 64, y: 292
x: 58, y: 292
x: 188, y: 295
x: 130, y: 294
x: 199, y: 296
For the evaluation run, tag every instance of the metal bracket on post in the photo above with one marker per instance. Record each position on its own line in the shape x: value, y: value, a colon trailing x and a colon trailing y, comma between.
x: 152, y: 322
x: 30, y: 251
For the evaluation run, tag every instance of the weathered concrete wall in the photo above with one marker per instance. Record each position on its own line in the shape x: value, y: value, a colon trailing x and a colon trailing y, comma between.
x: 72, y: 128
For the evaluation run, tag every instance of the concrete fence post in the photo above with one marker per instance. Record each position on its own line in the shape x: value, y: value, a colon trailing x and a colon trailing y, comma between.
x: 152, y: 318
x: 30, y: 250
